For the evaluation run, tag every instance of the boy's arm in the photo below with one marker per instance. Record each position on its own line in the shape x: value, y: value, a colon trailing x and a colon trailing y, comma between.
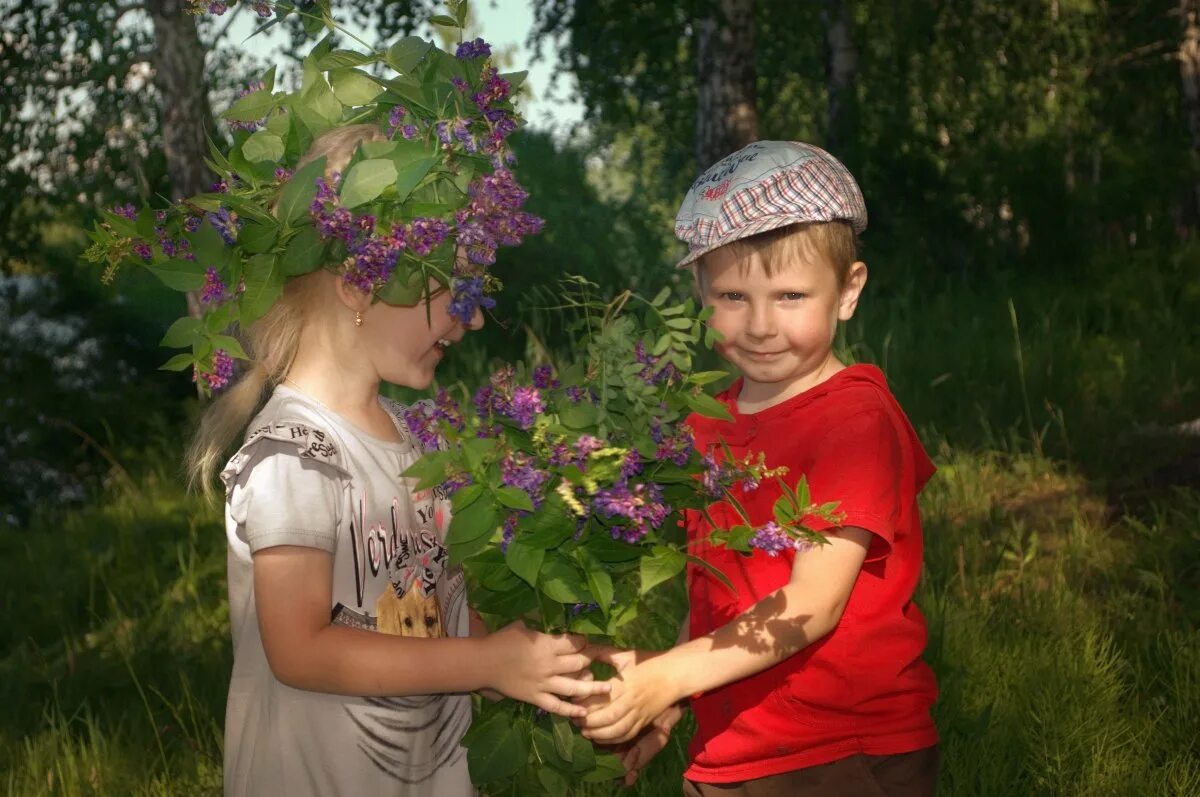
x: 807, y: 608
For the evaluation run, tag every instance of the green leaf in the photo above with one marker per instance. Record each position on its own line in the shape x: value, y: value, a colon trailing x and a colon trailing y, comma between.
x: 661, y: 565
x: 180, y: 275
x: 405, y: 288
x: 264, y: 286
x: 304, y: 253
x: 706, y: 377
x: 321, y: 101
x: 679, y: 323
x: 209, y: 246
x: 696, y: 560
x: 525, y: 560
x: 342, y: 59
x: 184, y: 332
x: 465, y: 496
x: 445, y: 20
x: 252, y: 107
x: 706, y: 405
x: 354, y: 87
x: 515, y: 79
x: 475, y: 521
x: 600, y: 583
x: 514, y: 498
x: 560, y: 732
x: 500, y: 748
x: 661, y: 297
x: 408, y: 176
x: 549, y: 526
x: 297, y: 196
x: 263, y: 146
x: 231, y: 346
x: 578, y: 416
x: 180, y: 362
x: 554, y: 782
x: 429, y: 470
x: 407, y: 53
x: 257, y: 237
x: 562, y: 581
x: 366, y: 180
x: 583, y: 756
x: 606, y: 767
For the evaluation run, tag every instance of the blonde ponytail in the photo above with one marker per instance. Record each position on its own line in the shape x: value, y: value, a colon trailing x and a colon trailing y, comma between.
x: 272, y: 341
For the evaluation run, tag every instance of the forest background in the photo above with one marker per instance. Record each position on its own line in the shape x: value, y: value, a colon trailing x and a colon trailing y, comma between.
x: 1032, y: 173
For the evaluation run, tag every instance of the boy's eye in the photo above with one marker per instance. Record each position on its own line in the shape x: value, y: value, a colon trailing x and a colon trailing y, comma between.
x: 794, y: 296
x: 732, y: 296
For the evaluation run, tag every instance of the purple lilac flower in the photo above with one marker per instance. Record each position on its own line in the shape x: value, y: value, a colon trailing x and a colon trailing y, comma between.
x: 771, y: 539
x: 467, y: 296
x: 525, y: 406
x: 226, y: 223
x: 473, y: 49
x: 409, y: 131
x: 218, y: 378
x: 631, y: 465
x: 577, y: 394
x: 192, y: 223
x: 510, y: 530
x: 214, y: 290
x: 641, y: 506
x: 586, y: 444
x: 143, y: 250
x: 396, y: 119
x: 127, y: 210
x: 447, y: 409
x: 282, y: 175
x: 459, y: 83
x: 217, y: 8
x: 456, y: 482
x: 651, y: 373
x: 426, y: 234
x: 519, y: 470
x: 577, y: 609
x: 674, y: 447
x: 713, y: 478
x: 423, y: 425
x: 442, y: 129
x: 561, y: 455
x: 543, y: 375
x: 262, y: 9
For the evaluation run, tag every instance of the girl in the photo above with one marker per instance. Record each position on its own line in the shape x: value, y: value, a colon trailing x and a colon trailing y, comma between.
x: 353, y: 645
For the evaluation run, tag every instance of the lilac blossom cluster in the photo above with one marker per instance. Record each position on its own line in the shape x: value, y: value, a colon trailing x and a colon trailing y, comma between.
x: 771, y: 538
x: 652, y: 372
x: 640, y: 508
x: 220, y: 375
x: 423, y: 419
x: 502, y: 397
x: 520, y: 470
x: 218, y: 8
x: 677, y: 447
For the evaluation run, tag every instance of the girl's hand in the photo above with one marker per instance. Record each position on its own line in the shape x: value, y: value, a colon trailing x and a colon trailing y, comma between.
x: 541, y: 669
x: 643, y: 689
x: 653, y: 739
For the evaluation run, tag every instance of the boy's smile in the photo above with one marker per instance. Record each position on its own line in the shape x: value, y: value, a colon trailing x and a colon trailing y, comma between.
x: 778, y: 329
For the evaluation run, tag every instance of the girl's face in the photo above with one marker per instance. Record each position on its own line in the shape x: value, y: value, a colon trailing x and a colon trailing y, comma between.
x: 405, y: 344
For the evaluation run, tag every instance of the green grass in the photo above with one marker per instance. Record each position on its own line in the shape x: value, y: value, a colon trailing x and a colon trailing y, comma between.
x: 1061, y: 591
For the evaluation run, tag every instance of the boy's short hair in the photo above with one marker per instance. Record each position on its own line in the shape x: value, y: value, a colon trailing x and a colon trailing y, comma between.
x: 835, y: 242
x: 763, y: 187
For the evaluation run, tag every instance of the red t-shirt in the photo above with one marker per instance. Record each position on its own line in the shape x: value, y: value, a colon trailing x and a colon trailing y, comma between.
x: 863, y: 688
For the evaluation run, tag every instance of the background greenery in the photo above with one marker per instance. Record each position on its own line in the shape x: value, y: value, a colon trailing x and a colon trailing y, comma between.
x: 1035, y: 282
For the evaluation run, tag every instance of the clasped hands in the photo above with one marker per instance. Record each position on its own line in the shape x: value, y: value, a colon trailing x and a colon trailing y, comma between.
x: 639, y: 711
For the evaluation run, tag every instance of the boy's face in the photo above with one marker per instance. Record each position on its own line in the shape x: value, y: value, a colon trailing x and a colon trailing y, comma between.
x: 778, y: 329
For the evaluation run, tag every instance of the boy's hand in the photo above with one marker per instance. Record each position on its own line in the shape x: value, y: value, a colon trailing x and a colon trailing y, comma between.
x: 641, y: 691
x: 637, y: 755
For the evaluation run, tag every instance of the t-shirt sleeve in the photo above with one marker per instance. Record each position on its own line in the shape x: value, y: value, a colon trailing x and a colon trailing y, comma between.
x: 282, y: 498
x: 861, y: 466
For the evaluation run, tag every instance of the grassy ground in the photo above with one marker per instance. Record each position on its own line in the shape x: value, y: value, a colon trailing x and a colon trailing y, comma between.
x: 1061, y: 583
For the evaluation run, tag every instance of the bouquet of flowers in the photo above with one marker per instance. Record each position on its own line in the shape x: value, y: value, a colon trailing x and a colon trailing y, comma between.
x: 569, y: 488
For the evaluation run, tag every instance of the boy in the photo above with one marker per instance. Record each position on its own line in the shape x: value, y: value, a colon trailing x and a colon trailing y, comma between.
x: 809, y: 679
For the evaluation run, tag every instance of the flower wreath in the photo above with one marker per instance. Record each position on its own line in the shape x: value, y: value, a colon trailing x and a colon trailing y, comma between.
x: 437, y: 179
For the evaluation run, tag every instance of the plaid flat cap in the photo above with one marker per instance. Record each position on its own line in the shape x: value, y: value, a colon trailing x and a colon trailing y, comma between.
x: 762, y: 186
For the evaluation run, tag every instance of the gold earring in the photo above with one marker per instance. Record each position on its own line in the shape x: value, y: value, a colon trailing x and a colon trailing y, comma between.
x: 358, y: 319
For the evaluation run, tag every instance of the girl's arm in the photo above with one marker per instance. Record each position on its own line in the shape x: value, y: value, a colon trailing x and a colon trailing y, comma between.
x: 293, y: 589
x: 792, y: 617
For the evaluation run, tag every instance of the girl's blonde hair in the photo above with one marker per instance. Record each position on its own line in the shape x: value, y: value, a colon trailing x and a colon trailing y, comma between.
x: 271, y: 341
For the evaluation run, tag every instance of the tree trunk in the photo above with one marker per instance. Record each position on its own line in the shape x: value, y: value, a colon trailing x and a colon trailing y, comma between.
x: 726, y: 111
x: 186, y: 116
x: 1189, y: 73
x: 841, y: 75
